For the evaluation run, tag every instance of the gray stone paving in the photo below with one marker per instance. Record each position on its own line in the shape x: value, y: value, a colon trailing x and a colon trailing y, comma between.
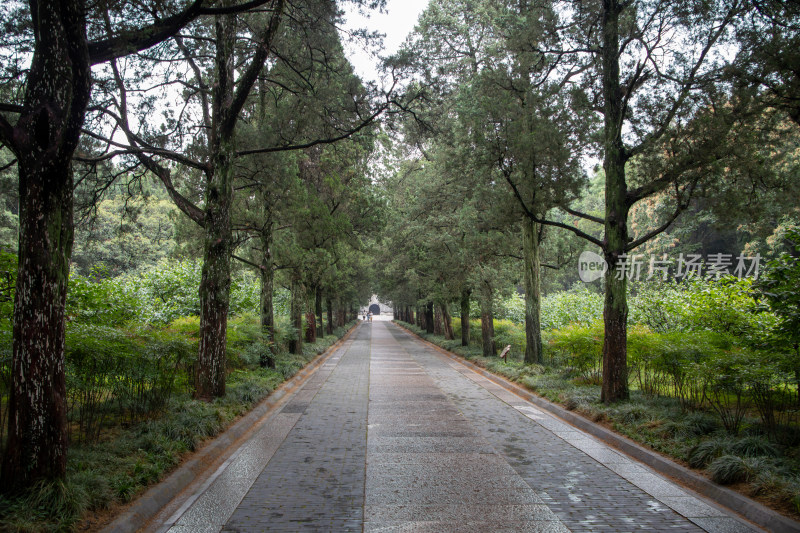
x: 315, y: 481
x: 589, y: 486
x: 428, y: 467
x: 390, y: 435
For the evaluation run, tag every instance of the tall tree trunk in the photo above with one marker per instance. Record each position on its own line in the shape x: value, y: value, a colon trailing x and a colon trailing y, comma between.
x: 615, y: 311
x: 216, y: 279
x: 437, y: 321
x: 216, y: 275
x: 465, y: 294
x: 532, y: 265
x: 329, y: 303
x: 487, y: 324
x: 296, y: 344
x: 341, y: 320
x: 447, y: 323
x: 318, y: 311
x: 56, y: 95
x: 311, y: 327
x: 429, y: 317
x: 267, y: 277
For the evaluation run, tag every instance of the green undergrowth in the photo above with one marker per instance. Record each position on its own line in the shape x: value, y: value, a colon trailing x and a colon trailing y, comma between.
x: 124, y: 461
x: 761, y: 464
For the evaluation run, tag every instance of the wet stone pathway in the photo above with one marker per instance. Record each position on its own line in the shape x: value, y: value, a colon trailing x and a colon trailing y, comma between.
x: 390, y: 435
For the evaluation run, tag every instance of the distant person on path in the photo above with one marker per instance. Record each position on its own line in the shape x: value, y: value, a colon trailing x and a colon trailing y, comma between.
x: 370, y: 316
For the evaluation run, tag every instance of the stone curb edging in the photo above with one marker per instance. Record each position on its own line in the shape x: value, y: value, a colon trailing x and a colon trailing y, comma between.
x: 737, y: 503
x: 151, y: 502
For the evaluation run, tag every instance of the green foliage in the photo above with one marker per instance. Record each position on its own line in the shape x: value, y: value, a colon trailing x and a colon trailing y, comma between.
x: 8, y: 280
x: 118, y: 376
x: 511, y: 308
x: 728, y: 469
x: 155, y: 296
x: 780, y: 289
x: 130, y: 228
x: 576, y: 306
x: 754, y: 446
x: 104, y: 302
x: 506, y: 333
x: 578, y: 349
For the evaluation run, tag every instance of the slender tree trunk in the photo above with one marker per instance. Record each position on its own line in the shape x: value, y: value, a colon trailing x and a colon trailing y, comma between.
x: 341, y: 319
x: 267, y: 277
x: 487, y: 325
x: 797, y: 371
x: 318, y: 310
x: 437, y: 321
x: 45, y: 137
x: 615, y: 311
x: 465, y: 294
x: 296, y: 344
x: 447, y: 323
x: 329, y: 303
x: 532, y: 265
x: 311, y: 327
x: 429, y: 317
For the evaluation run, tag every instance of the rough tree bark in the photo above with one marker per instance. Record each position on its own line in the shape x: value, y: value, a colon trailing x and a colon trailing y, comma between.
x: 44, y: 139
x: 532, y: 265
x: 437, y: 321
x: 487, y: 324
x: 320, y: 330
x: 267, y: 277
x: 228, y: 100
x: 311, y: 326
x: 447, y: 323
x: 296, y: 318
x: 57, y: 91
x: 215, y: 281
x: 429, y: 317
x: 615, y: 311
x: 329, y: 303
x: 465, y: 294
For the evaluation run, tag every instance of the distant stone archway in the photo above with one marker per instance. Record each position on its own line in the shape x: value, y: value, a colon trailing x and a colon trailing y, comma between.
x: 375, y: 309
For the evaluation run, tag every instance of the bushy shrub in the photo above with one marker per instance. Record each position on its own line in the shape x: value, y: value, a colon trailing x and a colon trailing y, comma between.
x: 115, y: 375
x: 170, y: 290
x: 102, y: 303
x: 511, y: 308
x: 660, y: 305
x: 576, y: 306
x: 506, y: 333
x: 578, y: 348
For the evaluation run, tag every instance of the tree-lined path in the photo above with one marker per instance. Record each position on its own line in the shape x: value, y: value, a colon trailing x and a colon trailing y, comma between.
x: 390, y: 435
